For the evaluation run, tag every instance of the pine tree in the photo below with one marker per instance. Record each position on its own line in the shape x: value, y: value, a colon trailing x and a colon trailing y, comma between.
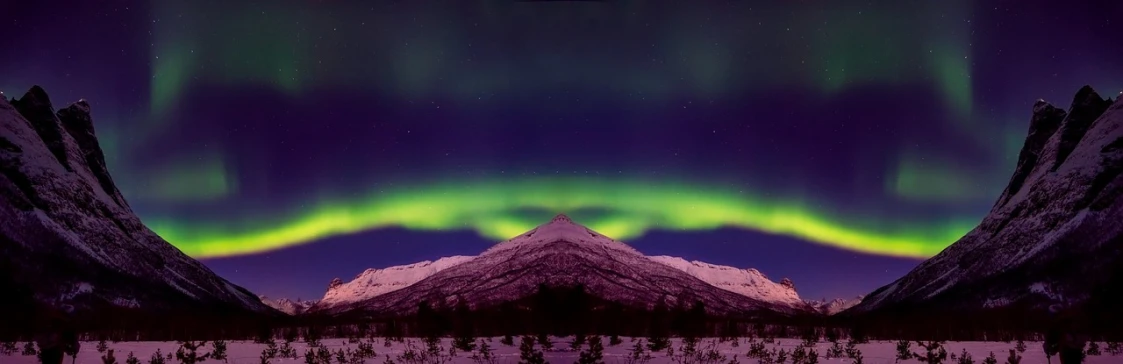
x: 835, y: 351
x: 1114, y: 348
x: 578, y: 342
x: 852, y: 349
x: 132, y: 359
x: 1094, y: 348
x: 812, y: 357
x: 218, y: 350
x: 108, y: 358
x: 157, y: 358
x: 528, y: 354
x: 991, y: 359
x: 8, y: 347
x: 614, y: 340
x: 799, y: 354
x: 102, y: 346
x: 1021, y: 346
x: 934, y: 352
x: 484, y: 354
x: 832, y: 335
x: 658, y: 341
x: 965, y: 358
x: 270, y: 350
x: 507, y: 340
x: 904, y: 351
x: 858, y: 335
x: 310, y: 356
x: 71, y: 349
x: 366, y: 350
x: 288, y: 335
x: 188, y: 352
x: 595, y: 353
x: 1014, y: 358
x: 1052, y: 344
x: 544, y: 342
x: 433, y: 346
x: 1073, y: 354
x: 638, y: 355
x: 286, y: 351
x: 323, y: 355
x: 29, y: 349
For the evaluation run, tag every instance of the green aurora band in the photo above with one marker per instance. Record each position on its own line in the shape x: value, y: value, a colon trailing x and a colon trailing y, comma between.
x: 619, y: 209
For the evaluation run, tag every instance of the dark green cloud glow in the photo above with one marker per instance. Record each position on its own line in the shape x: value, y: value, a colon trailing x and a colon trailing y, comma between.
x: 412, y: 51
x: 933, y: 180
x: 620, y: 209
x: 199, y: 179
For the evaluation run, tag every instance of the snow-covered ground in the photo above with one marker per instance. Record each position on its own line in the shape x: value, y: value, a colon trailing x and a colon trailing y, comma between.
x: 244, y: 352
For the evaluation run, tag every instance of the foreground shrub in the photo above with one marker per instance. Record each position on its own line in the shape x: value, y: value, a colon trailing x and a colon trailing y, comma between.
x: 1014, y: 358
x: 528, y: 354
x: 157, y: 358
x: 218, y: 350
x: 638, y: 355
x: 108, y: 357
x: 934, y: 352
x: 188, y: 352
x: 594, y: 354
x: 904, y: 350
x: 991, y: 359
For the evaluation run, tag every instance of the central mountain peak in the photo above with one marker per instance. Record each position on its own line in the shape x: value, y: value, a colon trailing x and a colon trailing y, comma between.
x: 560, y: 229
x: 561, y: 218
x: 561, y: 254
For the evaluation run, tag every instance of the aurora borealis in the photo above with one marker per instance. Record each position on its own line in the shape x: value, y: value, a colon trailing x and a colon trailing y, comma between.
x: 872, y: 133
x: 493, y: 209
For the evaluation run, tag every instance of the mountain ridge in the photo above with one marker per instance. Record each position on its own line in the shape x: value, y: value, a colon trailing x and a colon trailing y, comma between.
x: 573, y: 254
x: 1052, y: 241
x: 71, y: 241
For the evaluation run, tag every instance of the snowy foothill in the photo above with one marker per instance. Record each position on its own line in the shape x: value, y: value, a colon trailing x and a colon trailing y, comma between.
x: 246, y: 352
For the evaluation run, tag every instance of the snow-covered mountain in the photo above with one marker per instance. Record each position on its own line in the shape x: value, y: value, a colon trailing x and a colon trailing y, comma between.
x: 747, y: 282
x: 560, y: 253
x: 290, y: 307
x: 374, y: 282
x: 831, y: 307
x: 1053, y: 239
x: 68, y: 237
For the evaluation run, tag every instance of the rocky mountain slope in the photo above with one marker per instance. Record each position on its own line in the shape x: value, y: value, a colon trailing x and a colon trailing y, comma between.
x: 747, y: 282
x: 831, y: 307
x: 560, y: 253
x: 68, y: 237
x: 287, y: 306
x: 1053, y: 239
x: 374, y: 282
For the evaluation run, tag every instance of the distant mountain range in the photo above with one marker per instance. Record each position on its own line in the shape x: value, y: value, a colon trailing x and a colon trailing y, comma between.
x: 287, y: 306
x: 1052, y: 243
x: 831, y: 307
x: 69, y: 241
x: 562, y: 253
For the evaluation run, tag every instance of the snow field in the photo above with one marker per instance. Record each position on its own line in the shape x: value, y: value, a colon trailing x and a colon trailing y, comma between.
x: 247, y: 352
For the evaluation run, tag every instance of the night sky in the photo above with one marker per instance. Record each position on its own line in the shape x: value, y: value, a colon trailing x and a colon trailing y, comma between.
x: 289, y: 142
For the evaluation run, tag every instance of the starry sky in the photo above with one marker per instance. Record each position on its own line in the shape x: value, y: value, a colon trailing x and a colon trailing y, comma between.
x: 288, y: 142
